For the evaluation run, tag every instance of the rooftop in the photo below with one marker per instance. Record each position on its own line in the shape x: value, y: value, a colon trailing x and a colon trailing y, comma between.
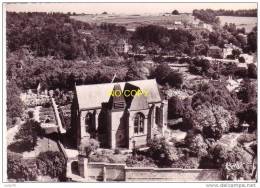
x: 92, y: 96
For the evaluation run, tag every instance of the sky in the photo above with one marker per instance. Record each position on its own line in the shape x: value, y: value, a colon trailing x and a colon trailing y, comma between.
x: 126, y: 8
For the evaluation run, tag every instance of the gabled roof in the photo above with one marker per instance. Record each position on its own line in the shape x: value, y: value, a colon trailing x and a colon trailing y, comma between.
x: 92, y: 96
x: 214, y: 48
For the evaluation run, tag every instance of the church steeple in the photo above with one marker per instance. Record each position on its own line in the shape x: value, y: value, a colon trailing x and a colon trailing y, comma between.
x: 117, y: 100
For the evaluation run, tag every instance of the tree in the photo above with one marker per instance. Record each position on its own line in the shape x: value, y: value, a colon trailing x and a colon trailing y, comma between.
x: 252, y: 40
x: 212, y: 120
x: 247, y: 92
x: 175, y: 107
x: 241, y: 59
x: 137, y: 71
x: 235, y: 165
x: 27, y: 136
x: 14, y: 103
x: 196, y: 144
x: 162, y: 153
x: 161, y: 73
x: 236, y: 53
x: 88, y: 146
x: 52, y: 163
x: 21, y: 169
x: 241, y: 72
x: 175, y: 79
x: 208, y: 16
x: 175, y: 12
x: 200, y: 66
x: 252, y: 71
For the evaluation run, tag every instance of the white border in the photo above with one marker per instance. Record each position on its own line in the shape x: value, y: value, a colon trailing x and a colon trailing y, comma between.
x: 3, y: 118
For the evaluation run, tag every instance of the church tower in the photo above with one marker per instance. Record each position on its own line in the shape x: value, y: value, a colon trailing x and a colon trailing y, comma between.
x: 117, y: 119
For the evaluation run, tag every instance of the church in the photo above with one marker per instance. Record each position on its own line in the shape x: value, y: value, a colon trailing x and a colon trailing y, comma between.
x: 119, y: 115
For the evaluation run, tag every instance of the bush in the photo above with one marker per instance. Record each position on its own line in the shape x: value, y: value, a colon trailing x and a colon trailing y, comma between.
x: 52, y: 164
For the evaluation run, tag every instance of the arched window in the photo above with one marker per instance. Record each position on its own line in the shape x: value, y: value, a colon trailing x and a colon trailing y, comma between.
x: 157, y: 115
x: 139, y: 123
x: 88, y: 121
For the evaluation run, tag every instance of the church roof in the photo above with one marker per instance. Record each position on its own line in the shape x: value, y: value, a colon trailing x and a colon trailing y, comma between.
x: 139, y: 103
x: 92, y: 96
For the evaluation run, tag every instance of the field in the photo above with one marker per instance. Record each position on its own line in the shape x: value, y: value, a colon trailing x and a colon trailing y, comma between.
x: 247, y: 22
x: 133, y: 21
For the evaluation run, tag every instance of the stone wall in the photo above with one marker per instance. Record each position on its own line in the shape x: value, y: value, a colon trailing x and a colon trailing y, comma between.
x: 120, y: 172
x: 171, y: 174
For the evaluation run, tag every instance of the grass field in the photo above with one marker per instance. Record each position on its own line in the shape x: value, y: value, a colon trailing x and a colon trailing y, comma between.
x: 133, y: 21
x: 247, y: 22
x: 43, y: 145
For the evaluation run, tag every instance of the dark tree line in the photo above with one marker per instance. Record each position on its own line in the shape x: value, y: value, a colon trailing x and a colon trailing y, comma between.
x: 55, y: 34
x: 180, y: 40
x: 240, y: 13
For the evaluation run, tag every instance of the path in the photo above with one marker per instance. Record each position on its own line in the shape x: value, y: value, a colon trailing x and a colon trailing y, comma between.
x: 12, y: 132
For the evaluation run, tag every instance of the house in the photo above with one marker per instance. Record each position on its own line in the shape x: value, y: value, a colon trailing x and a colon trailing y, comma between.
x: 122, y: 46
x: 215, y: 52
x: 177, y: 23
x: 204, y: 26
x: 119, y: 115
x: 228, y: 48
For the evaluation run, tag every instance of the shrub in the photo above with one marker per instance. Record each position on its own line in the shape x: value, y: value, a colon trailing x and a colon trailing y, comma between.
x: 107, y: 156
x: 140, y: 161
x: 20, y: 169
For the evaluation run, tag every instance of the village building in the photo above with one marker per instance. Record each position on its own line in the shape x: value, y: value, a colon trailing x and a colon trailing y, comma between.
x: 215, y: 52
x: 122, y: 46
x: 248, y: 58
x: 118, y: 115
